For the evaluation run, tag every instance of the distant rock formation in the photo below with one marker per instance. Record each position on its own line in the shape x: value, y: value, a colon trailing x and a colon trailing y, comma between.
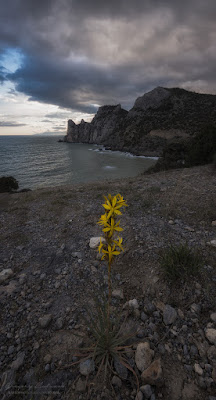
x: 156, y: 118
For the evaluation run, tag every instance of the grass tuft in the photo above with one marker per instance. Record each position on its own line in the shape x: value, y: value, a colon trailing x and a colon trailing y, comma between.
x: 179, y: 262
x: 110, y: 341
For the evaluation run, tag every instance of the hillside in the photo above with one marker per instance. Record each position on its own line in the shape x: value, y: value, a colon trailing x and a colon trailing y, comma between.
x: 155, y: 119
x: 44, y: 242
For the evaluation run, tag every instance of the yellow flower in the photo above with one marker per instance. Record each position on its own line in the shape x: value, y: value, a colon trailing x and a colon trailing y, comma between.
x: 100, y: 246
x: 121, y: 201
x: 103, y: 219
x: 119, y: 243
x: 112, y: 227
x: 109, y: 198
x: 109, y: 253
x: 111, y: 206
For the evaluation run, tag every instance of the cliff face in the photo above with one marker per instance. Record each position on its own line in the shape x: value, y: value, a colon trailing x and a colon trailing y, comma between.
x: 103, y: 129
x: 157, y: 117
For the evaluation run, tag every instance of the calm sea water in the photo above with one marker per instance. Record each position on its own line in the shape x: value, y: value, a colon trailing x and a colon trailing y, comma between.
x: 38, y: 161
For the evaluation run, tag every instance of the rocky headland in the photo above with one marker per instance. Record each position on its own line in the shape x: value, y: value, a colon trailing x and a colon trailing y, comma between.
x: 156, y: 119
x: 49, y: 272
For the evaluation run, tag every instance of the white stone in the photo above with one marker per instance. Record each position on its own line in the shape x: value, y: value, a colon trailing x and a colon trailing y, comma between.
x: 213, y: 223
x: 5, y: 274
x: 95, y: 241
x: 213, y: 243
x: 133, y: 304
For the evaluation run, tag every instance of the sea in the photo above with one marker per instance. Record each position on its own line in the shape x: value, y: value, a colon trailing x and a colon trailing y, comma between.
x: 40, y: 161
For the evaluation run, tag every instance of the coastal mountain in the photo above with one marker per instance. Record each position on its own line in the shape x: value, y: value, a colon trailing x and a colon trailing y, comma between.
x: 157, y: 118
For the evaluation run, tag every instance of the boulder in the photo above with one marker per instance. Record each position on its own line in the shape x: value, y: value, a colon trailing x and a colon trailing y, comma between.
x: 8, y: 184
x: 143, y: 356
x: 153, y: 375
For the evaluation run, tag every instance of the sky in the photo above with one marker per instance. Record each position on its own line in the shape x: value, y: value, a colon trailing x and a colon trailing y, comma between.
x: 62, y: 59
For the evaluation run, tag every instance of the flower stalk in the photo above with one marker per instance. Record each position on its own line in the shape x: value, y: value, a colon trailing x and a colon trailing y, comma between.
x: 111, y: 225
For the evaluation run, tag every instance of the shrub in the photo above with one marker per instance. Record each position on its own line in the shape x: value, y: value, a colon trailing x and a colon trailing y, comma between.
x: 8, y: 184
x: 199, y: 150
x: 203, y: 147
x: 180, y: 261
x: 173, y: 156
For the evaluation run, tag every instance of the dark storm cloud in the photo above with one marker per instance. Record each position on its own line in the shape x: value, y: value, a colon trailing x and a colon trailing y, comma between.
x: 9, y: 123
x: 54, y: 82
x: 78, y: 54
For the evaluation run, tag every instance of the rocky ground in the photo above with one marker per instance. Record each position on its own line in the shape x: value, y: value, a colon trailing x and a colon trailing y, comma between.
x: 49, y: 273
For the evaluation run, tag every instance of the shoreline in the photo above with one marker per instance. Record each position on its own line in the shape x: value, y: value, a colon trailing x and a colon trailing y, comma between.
x: 109, y: 181
x: 150, y: 154
x: 120, y: 152
x: 65, y: 164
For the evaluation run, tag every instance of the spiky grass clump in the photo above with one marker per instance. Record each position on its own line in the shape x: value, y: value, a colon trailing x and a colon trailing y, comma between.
x: 180, y: 261
x: 110, y: 344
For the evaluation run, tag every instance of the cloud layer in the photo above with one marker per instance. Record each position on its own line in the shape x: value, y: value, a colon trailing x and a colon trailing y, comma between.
x: 80, y: 54
x: 10, y: 124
